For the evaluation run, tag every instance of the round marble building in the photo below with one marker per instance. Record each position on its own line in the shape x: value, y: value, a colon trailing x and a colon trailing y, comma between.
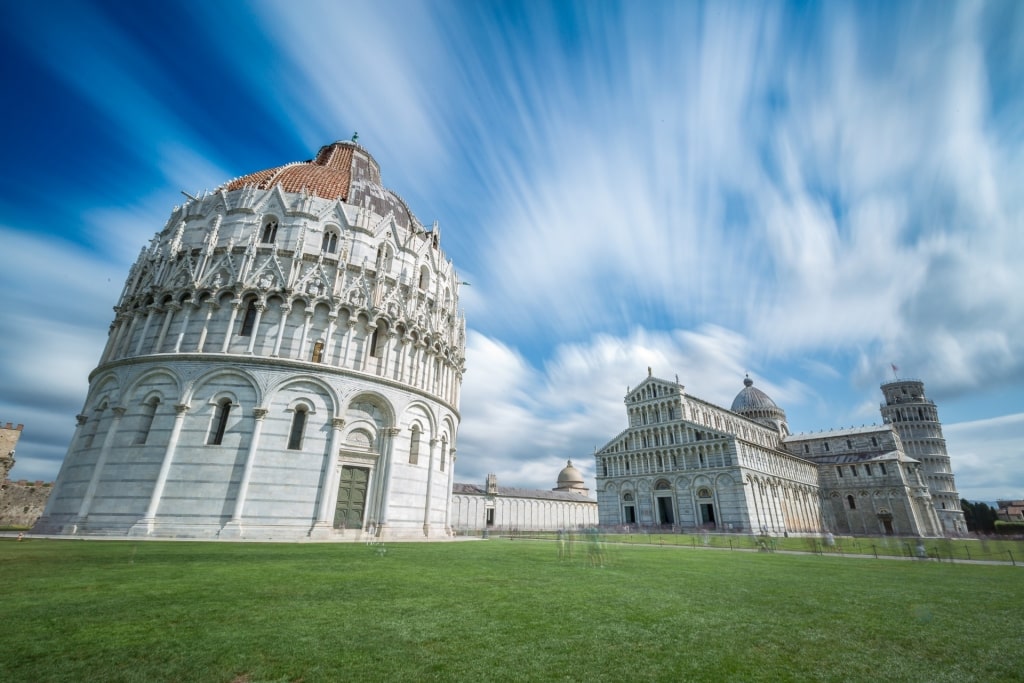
x: 285, y: 362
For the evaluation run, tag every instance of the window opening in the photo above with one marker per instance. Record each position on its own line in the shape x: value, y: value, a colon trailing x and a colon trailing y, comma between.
x: 270, y: 232
x: 298, y: 427
x: 318, y: 352
x: 852, y: 502
x: 330, y: 243
x: 146, y: 423
x: 220, y: 423
x: 249, y: 320
x: 414, y: 446
x: 375, y: 343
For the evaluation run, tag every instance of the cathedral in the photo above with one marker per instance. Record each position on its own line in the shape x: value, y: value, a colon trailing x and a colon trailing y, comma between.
x: 284, y: 362
x: 685, y: 462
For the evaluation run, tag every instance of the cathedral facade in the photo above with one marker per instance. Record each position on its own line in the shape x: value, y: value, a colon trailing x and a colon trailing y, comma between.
x: 685, y: 462
x: 285, y: 361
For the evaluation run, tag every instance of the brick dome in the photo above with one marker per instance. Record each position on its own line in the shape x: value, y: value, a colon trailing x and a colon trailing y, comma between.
x: 341, y: 170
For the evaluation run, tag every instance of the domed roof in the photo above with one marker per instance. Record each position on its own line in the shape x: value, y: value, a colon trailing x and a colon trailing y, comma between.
x: 751, y: 398
x: 341, y: 170
x: 569, y: 477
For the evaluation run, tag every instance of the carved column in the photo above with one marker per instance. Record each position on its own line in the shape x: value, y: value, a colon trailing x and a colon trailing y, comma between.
x: 101, y: 461
x: 332, y: 320
x: 254, y: 333
x: 152, y: 308
x: 192, y: 305
x: 285, y: 310
x: 329, y: 491
x: 233, y: 529
x: 428, y: 499
x: 123, y: 351
x: 144, y: 527
x: 235, y: 305
x: 351, y: 324
x: 211, y: 306
x: 401, y: 358
x: 387, y: 446
x: 43, y: 524
x: 305, y: 335
x: 169, y: 311
x: 367, y: 346
x: 448, y: 502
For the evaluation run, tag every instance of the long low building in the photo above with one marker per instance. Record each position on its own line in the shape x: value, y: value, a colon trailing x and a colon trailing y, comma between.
x: 504, y: 508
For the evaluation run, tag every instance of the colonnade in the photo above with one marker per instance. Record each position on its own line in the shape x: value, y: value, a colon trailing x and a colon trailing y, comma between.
x: 300, y: 330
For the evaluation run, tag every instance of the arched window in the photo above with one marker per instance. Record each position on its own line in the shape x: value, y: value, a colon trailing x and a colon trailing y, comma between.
x: 270, y: 231
x: 146, y: 420
x: 220, y: 423
x: 414, y: 446
x: 298, y: 427
x: 383, y: 258
x: 330, y: 243
x: 378, y: 339
x: 249, y: 320
x: 318, y: 352
x: 852, y: 502
x: 424, y: 277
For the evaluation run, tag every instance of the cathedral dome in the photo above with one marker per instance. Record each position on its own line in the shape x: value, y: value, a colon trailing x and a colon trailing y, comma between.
x: 569, y: 478
x: 758, y: 406
x: 751, y: 398
x: 341, y: 170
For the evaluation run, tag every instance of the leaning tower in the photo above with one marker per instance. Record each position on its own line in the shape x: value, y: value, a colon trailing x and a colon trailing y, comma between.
x: 916, y: 420
x: 285, y: 361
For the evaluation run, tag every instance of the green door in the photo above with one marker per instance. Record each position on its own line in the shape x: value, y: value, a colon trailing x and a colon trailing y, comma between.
x: 351, y: 498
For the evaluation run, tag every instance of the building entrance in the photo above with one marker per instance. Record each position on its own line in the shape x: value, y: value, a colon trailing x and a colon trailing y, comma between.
x: 348, y: 514
x: 707, y: 514
x: 628, y: 514
x: 665, y: 515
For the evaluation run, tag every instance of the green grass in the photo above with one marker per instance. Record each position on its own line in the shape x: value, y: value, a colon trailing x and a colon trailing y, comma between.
x: 496, y: 611
x: 943, y: 549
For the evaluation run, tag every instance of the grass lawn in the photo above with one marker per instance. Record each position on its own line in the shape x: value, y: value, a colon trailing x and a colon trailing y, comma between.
x: 943, y: 549
x: 496, y: 610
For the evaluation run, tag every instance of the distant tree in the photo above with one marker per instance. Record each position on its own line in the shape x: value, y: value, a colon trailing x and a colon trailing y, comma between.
x: 980, y: 517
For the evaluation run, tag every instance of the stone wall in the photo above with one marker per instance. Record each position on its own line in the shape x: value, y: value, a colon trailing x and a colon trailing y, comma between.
x: 22, y: 502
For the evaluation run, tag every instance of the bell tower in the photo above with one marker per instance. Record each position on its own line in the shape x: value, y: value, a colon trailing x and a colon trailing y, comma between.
x: 916, y: 420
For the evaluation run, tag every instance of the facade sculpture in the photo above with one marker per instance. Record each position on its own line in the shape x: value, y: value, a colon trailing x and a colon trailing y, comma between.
x: 285, y: 362
x: 687, y: 462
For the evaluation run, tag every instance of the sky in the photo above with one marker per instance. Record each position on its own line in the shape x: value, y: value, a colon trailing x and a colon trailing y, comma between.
x: 808, y: 193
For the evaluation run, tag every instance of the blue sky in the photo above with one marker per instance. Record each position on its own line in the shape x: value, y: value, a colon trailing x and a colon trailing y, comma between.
x: 804, y: 192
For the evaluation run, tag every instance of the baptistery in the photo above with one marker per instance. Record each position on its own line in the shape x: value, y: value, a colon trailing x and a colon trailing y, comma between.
x: 285, y: 362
